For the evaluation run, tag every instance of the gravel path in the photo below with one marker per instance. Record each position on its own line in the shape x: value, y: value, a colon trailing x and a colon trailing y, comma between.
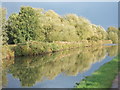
x: 116, y: 82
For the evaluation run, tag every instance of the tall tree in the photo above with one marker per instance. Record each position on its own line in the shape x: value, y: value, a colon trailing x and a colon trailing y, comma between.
x: 25, y: 26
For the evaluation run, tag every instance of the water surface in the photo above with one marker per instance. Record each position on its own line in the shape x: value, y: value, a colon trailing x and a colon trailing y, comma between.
x: 57, y: 70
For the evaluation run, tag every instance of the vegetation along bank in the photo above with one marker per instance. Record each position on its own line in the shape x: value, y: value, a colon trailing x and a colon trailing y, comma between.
x: 33, y: 31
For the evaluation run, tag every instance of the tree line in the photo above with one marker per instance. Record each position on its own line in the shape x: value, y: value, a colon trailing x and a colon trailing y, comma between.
x: 36, y: 24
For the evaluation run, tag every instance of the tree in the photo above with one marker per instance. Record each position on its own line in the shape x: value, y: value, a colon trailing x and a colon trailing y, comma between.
x: 25, y: 26
x: 82, y: 26
x: 60, y: 31
x: 39, y: 25
x: 113, y: 34
x: 2, y: 25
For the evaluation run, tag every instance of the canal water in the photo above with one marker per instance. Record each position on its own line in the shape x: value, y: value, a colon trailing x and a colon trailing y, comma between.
x: 56, y: 70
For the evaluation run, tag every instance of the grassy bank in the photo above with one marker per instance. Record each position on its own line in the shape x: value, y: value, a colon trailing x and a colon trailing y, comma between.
x: 37, y: 48
x: 102, y: 78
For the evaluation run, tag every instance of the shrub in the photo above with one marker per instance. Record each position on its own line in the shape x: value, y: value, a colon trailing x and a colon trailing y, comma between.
x: 35, y: 48
x: 7, y: 52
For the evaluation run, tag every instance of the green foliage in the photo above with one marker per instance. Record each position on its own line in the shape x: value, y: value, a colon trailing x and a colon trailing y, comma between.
x: 25, y: 26
x: 112, y: 52
x: 7, y: 53
x: 102, y: 78
x: 113, y: 34
x: 36, y: 48
x: 3, y: 26
x: 32, y: 48
x: 39, y: 25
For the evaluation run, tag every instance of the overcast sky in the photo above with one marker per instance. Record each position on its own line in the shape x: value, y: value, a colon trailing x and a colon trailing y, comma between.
x: 99, y: 13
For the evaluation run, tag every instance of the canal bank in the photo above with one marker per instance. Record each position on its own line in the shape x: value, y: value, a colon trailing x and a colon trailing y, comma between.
x: 33, y: 48
x: 103, y: 77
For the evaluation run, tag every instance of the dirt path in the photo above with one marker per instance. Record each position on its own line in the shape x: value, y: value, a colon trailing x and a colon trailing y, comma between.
x: 116, y: 82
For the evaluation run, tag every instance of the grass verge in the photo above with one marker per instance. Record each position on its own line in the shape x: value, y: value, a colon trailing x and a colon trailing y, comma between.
x: 102, y: 78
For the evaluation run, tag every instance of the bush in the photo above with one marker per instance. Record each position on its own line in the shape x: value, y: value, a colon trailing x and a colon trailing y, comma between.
x: 36, y: 48
x: 7, y: 52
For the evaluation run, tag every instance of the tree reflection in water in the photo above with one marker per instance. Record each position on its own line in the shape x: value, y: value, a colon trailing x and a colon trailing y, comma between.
x: 30, y: 70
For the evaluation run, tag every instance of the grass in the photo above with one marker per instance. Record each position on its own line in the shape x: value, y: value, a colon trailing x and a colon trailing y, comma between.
x: 103, y: 77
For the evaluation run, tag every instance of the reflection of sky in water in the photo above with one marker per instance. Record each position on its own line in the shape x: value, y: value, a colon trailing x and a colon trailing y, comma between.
x: 62, y: 80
